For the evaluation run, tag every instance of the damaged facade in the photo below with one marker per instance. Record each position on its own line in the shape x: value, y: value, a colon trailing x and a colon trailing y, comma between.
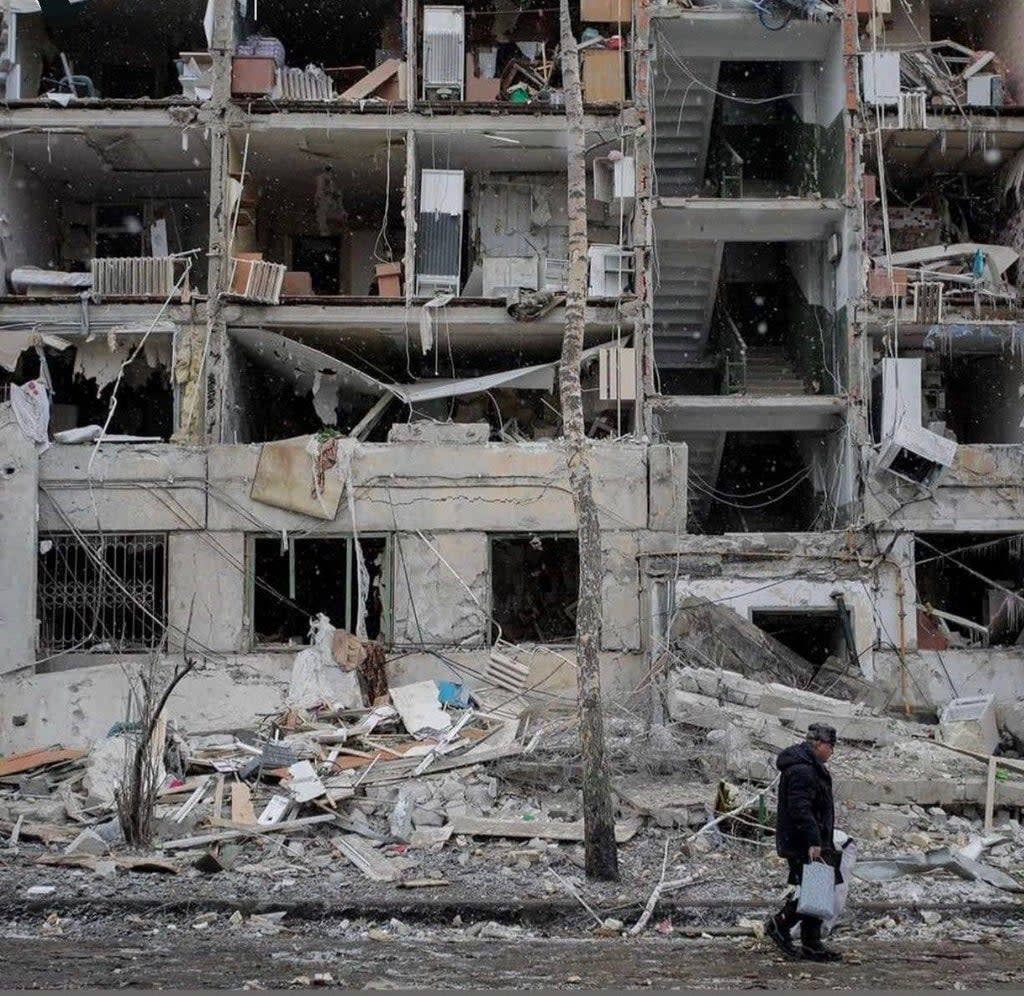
x: 329, y: 306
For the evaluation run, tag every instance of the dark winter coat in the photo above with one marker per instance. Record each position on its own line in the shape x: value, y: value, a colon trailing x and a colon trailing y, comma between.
x: 806, y: 816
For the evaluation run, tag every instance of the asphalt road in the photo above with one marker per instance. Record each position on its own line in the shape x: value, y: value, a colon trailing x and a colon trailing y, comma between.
x: 110, y: 955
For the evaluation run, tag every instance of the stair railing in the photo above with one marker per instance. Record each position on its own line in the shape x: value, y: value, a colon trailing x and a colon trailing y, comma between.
x: 734, y: 350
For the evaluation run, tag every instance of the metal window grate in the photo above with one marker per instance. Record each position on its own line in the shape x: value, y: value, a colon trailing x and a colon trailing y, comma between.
x: 104, y: 592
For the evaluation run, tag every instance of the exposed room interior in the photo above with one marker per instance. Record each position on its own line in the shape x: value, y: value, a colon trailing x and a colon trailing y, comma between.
x: 969, y: 589
x: 510, y: 53
x: 534, y: 588
x: 326, y: 206
x: 969, y: 383
x: 105, y: 194
x: 345, y: 38
x: 108, y: 49
x: 82, y: 377
x: 492, y: 214
x: 283, y: 386
x: 293, y: 582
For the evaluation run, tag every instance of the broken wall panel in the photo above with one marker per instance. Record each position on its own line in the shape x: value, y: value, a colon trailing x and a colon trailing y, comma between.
x: 205, y: 590
x: 19, y: 483
x: 441, y: 595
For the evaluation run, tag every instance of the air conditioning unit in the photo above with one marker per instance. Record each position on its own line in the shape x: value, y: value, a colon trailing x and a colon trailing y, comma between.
x: 615, y: 183
x: 444, y: 53
x: 880, y: 75
x: 141, y: 276
x: 439, y: 231
x: 917, y: 455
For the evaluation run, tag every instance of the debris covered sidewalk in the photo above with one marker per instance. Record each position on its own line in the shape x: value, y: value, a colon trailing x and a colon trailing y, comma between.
x: 421, y: 800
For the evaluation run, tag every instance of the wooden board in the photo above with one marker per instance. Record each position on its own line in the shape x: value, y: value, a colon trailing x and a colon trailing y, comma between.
x: 606, y: 11
x: 215, y: 838
x: 603, y: 76
x: 366, y: 858
x: 386, y: 81
x: 38, y: 757
x: 477, y: 826
x: 241, y: 804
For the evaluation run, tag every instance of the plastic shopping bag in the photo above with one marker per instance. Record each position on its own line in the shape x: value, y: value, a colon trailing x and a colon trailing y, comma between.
x: 817, y: 891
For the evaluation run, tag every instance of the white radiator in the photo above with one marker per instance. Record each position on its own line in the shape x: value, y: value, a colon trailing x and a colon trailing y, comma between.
x: 142, y: 276
x: 444, y: 50
x: 310, y: 84
x: 262, y: 280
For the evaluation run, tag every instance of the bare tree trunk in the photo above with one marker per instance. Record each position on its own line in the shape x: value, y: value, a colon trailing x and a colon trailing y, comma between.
x: 602, y: 860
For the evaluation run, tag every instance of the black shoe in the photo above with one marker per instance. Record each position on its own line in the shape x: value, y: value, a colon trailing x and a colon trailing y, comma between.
x: 781, y: 937
x: 818, y: 952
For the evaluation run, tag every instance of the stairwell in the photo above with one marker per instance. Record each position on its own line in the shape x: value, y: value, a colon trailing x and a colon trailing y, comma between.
x: 687, y: 272
x: 770, y: 373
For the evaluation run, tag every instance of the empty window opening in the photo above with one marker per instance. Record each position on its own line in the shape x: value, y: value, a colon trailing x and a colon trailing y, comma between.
x: 977, y: 398
x: 968, y: 586
x: 293, y: 583
x: 534, y: 588
x: 815, y: 634
x: 110, y: 51
x: 102, y: 593
x: 82, y: 378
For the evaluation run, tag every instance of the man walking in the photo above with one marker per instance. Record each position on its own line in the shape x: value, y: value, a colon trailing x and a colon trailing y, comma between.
x: 803, y: 833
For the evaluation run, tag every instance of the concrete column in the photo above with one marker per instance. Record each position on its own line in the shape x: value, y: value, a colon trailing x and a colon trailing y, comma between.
x: 19, y: 482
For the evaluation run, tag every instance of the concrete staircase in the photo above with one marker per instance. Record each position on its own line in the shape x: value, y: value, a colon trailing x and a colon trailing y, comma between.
x: 704, y: 459
x: 770, y: 373
x: 684, y: 300
x: 683, y: 108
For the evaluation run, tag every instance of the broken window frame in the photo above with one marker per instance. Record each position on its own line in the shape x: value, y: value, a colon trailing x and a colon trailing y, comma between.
x: 82, y: 625
x: 349, y: 622
x: 496, y: 633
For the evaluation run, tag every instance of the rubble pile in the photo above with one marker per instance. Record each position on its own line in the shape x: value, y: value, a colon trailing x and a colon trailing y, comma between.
x: 431, y: 786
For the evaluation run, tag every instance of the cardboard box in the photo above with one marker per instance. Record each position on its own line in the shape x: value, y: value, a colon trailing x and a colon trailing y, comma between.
x: 252, y: 76
x: 606, y: 11
x: 297, y: 284
x: 603, y: 76
x: 389, y: 279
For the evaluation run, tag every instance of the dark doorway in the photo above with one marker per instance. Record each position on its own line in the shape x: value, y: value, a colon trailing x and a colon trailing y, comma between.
x: 320, y: 257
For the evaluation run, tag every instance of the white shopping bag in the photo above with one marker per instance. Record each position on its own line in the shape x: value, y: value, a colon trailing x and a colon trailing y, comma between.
x: 848, y: 858
x: 817, y: 891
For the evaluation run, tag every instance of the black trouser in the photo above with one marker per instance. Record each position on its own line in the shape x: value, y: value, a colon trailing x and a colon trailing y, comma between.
x: 787, y: 917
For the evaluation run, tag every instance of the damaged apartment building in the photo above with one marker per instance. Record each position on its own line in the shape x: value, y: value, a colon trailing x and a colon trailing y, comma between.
x: 282, y: 305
